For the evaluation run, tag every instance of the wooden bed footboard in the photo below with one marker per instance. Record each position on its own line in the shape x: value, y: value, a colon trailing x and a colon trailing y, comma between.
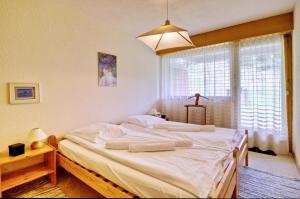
x: 243, y: 150
x: 103, y: 186
x: 228, y: 187
x: 100, y: 184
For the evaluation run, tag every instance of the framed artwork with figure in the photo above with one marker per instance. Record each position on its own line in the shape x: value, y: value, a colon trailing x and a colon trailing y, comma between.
x: 107, y: 70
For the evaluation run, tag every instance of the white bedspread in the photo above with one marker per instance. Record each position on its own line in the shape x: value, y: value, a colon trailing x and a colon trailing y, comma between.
x: 136, y: 182
x: 196, y: 170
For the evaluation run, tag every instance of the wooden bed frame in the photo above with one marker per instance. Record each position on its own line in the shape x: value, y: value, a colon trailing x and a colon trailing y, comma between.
x: 228, y: 187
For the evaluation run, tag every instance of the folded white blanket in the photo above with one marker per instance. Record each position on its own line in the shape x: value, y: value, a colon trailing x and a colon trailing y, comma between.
x: 152, y: 147
x: 166, y: 125
x: 181, y: 127
x: 118, y: 144
x: 206, y: 128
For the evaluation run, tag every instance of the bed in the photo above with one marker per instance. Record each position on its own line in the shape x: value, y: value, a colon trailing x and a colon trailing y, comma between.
x: 112, y: 178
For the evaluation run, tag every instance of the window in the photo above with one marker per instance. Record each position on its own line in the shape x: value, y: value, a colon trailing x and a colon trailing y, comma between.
x: 261, y: 71
x: 205, y: 70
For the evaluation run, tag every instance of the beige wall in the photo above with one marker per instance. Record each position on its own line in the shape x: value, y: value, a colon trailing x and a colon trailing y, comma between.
x: 55, y: 43
x: 296, y: 83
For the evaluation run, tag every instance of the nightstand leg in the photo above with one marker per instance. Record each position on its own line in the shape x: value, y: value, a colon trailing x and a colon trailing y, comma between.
x: 204, y: 115
x: 0, y: 182
x: 187, y: 114
x: 53, y: 179
x: 51, y: 161
x: 53, y: 166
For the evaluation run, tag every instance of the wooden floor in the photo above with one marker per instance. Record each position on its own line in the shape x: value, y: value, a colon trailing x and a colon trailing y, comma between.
x: 74, y: 188
x: 281, y: 165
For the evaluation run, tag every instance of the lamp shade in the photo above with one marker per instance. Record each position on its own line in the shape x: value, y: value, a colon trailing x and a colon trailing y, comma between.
x: 165, y: 37
x: 36, y: 134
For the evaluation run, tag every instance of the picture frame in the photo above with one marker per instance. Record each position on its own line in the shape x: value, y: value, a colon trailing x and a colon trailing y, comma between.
x: 24, y: 93
x: 107, y: 70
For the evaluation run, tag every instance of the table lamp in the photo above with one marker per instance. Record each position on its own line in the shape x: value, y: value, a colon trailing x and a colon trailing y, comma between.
x: 36, y: 137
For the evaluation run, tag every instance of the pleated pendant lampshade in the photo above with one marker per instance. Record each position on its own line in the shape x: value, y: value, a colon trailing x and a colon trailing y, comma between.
x: 166, y: 36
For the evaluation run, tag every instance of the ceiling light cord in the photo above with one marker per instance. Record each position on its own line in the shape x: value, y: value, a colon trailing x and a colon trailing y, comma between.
x: 167, y: 20
x: 167, y: 9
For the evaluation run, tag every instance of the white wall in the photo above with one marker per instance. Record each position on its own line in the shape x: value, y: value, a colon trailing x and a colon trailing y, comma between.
x: 55, y: 43
x: 296, y: 83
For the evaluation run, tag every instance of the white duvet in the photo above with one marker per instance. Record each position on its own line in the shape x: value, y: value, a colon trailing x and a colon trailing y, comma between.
x: 196, y: 170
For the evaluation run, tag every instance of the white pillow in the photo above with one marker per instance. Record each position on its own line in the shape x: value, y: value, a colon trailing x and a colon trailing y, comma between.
x: 145, y: 120
x: 89, y: 133
x: 99, y: 131
x: 111, y: 131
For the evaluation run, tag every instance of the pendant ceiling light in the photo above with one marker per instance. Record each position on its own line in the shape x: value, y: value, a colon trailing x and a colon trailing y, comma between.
x: 166, y: 36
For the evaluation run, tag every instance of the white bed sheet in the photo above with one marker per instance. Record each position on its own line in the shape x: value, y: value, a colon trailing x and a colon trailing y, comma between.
x: 130, y: 179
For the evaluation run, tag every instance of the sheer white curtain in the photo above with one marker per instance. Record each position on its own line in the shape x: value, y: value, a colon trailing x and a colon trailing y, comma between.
x: 205, y: 70
x: 245, y: 84
x: 262, y: 104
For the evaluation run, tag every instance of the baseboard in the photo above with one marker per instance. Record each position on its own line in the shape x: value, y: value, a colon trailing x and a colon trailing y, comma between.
x: 297, y: 162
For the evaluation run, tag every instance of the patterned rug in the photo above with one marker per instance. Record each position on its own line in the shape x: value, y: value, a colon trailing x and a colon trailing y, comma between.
x: 40, y: 188
x: 260, y: 184
x: 253, y: 184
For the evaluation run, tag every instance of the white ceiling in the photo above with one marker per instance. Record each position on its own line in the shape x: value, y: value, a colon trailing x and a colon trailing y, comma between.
x: 138, y: 16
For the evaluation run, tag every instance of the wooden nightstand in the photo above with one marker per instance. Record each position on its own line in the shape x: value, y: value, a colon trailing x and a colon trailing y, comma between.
x: 18, y: 170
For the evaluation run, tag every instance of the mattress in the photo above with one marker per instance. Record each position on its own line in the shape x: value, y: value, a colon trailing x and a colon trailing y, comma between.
x: 130, y: 179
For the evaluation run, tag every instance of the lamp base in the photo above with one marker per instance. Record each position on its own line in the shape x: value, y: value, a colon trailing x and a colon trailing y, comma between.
x: 37, y: 145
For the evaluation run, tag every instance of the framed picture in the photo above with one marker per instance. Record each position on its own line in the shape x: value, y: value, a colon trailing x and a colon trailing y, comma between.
x: 107, y: 70
x: 24, y: 93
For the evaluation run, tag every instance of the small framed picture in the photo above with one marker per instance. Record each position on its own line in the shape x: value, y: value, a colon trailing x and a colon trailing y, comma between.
x: 24, y: 93
x: 107, y: 70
